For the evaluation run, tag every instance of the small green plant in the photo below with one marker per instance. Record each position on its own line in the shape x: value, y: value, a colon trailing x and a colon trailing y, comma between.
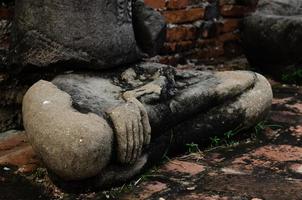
x: 293, y: 76
x: 115, y: 193
x: 215, y: 141
x: 229, y: 134
x: 40, y: 173
x: 261, y: 126
x: 229, y: 139
x: 192, y: 148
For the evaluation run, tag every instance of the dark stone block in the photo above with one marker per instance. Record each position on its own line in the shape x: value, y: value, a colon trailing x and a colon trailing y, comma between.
x: 272, y: 36
x: 149, y: 28
x: 98, y: 32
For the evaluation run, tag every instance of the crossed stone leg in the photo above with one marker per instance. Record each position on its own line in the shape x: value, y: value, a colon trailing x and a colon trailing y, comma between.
x: 108, y: 126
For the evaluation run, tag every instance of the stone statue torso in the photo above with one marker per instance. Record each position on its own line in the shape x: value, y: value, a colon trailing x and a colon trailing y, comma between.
x: 100, y: 31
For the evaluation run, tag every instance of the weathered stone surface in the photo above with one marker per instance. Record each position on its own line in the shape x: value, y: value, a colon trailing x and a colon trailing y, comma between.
x: 270, y: 169
x: 258, y: 173
x: 132, y: 130
x: 272, y: 35
x: 98, y: 32
x: 223, y: 115
x: 280, y: 7
x: 149, y: 28
x: 72, y: 144
x: 73, y: 117
x: 104, y: 128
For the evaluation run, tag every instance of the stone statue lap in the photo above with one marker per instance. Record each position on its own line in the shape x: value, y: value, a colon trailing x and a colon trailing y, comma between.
x: 107, y: 125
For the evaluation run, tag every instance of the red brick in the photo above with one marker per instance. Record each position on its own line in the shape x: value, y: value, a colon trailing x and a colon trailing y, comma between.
x: 209, y: 48
x: 146, y: 190
x: 184, y: 16
x: 6, y: 13
x: 19, y: 157
x: 177, y: 166
x: 169, y: 60
x: 209, y: 53
x: 156, y: 4
x: 296, y: 168
x: 173, y: 47
x: 177, y: 4
x: 12, y: 142
x: 229, y: 25
x: 196, y: 196
x: 229, y: 37
x: 181, y: 33
x: 211, y: 30
x: 235, y: 10
x: 203, y: 43
x: 15, y: 150
x: 227, y: 2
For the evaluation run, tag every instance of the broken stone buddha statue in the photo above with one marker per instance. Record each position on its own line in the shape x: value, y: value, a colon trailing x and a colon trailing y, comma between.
x: 108, y: 125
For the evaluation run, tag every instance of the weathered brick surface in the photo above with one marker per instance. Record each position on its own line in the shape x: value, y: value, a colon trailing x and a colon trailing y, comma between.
x: 201, y: 29
x: 229, y: 25
x: 178, y: 4
x: 235, y: 10
x: 172, y: 47
x: 181, y: 33
x: 156, y: 4
x: 17, y: 152
x: 184, y: 15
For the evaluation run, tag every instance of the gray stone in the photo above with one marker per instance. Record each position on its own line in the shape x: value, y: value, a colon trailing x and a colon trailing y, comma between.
x: 280, y: 7
x: 72, y: 144
x: 149, y: 28
x: 98, y: 32
x: 194, y: 105
x: 272, y: 36
x: 105, y: 127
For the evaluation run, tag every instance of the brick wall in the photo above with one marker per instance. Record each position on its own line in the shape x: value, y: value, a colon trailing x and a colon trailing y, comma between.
x: 199, y: 30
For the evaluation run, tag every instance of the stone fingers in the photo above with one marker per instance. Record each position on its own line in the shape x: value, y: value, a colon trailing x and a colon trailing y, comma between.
x: 141, y: 136
x: 130, y: 138
x: 135, y: 134
x: 120, y: 133
x: 145, y: 123
x: 136, y: 138
x: 132, y: 130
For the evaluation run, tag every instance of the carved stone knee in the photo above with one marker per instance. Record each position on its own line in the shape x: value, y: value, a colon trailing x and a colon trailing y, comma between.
x: 72, y: 144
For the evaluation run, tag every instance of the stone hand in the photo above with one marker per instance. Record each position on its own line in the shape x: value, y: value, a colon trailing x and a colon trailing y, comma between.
x: 132, y: 130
